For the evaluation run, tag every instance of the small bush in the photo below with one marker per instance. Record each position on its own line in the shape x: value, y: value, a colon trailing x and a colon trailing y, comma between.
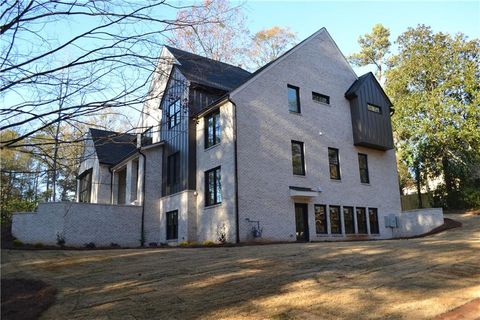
x: 38, y: 245
x: 90, y: 245
x: 208, y: 243
x: 153, y: 244
x: 60, y: 239
x: 113, y: 245
x: 17, y: 243
x: 184, y: 244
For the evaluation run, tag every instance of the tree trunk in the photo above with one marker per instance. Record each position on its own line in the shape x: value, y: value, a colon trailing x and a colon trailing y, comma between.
x: 447, y: 176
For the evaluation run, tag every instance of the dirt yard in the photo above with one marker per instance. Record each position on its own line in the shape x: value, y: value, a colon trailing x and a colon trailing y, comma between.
x: 397, y: 279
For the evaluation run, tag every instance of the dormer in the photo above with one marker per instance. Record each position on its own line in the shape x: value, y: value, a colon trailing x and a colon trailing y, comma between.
x: 371, y: 110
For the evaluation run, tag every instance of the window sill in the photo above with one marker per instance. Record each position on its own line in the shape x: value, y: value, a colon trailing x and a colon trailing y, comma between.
x: 323, y: 103
x: 336, y: 180
x: 365, y: 184
x: 295, y: 113
x: 213, y: 206
x: 300, y: 175
x: 211, y: 147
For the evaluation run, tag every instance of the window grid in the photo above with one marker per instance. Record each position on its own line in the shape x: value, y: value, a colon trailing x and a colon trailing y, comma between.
x: 298, y: 158
x: 334, y: 164
x: 363, y: 167
x: 335, y: 225
x: 349, y: 222
x: 213, y: 187
x: 293, y: 99
x: 212, y: 129
x: 321, y: 219
x: 172, y: 225
x: 373, y: 220
x: 321, y: 98
x: 174, y: 113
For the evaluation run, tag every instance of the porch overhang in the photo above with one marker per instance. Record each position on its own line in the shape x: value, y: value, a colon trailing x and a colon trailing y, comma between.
x: 302, y: 192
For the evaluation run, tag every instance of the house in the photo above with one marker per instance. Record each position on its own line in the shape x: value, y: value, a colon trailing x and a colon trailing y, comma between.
x: 301, y: 149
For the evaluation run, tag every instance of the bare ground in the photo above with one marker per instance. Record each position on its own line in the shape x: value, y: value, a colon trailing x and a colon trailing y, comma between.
x: 395, y: 279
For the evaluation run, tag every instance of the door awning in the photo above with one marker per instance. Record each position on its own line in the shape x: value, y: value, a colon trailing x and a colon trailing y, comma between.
x: 302, y: 192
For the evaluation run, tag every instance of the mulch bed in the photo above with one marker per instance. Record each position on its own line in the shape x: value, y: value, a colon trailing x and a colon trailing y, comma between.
x: 25, y: 298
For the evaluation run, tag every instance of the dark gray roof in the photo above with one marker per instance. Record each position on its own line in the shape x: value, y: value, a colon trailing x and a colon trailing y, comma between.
x: 112, y: 147
x: 367, y: 77
x: 209, y: 72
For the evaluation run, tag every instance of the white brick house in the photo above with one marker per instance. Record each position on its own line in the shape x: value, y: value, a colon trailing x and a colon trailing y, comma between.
x: 301, y: 149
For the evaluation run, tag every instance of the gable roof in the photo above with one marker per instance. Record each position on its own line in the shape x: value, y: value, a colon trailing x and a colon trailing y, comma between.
x: 111, y: 147
x: 209, y: 72
x: 367, y: 77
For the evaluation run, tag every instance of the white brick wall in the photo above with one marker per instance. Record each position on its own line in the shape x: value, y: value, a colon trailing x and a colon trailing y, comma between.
x: 415, y: 222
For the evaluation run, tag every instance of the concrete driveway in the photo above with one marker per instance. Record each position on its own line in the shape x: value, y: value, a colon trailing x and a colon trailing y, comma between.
x: 395, y: 279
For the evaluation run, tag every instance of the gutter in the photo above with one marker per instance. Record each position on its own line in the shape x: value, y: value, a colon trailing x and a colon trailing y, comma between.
x: 142, y: 232
x: 237, y: 218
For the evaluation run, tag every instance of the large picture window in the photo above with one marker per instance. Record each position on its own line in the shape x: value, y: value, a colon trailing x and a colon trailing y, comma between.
x: 320, y: 219
x: 212, y: 129
x: 348, y: 220
x: 334, y: 163
x: 373, y: 219
x: 293, y: 99
x: 363, y: 167
x: 174, y: 113
x: 213, y: 187
x: 172, y: 225
x: 361, y: 221
x: 298, y: 158
x: 335, y: 226
x: 85, y: 188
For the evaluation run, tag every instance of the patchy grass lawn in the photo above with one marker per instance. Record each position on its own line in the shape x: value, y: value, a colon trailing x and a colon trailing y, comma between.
x: 396, y: 279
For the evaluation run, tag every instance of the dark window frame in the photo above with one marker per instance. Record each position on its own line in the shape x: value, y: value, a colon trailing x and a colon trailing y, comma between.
x: 217, y: 187
x: 173, y: 170
x: 324, y: 222
x: 373, y: 224
x: 302, y: 156
x: 297, y: 96
x: 345, y: 224
x: 176, y: 115
x: 364, y: 222
x: 336, y: 165
x: 147, y: 137
x: 364, y: 173
x: 375, y: 107
x: 339, y: 219
x: 87, y: 174
x: 216, y: 129
x: 316, y: 95
x: 172, y: 229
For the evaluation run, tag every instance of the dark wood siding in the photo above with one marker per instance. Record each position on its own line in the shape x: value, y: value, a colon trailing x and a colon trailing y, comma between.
x: 371, y: 129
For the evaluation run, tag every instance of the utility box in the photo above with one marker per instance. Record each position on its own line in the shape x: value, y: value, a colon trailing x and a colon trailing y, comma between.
x: 392, y: 221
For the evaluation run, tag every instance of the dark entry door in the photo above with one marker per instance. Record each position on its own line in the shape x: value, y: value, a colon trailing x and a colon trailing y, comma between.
x: 301, y: 221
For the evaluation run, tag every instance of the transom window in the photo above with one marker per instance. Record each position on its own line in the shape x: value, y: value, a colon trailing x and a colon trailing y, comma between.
x: 212, y: 129
x: 213, y: 187
x: 373, y: 219
x: 321, y: 98
x: 348, y: 220
x: 298, y: 158
x: 172, y: 225
x: 85, y: 186
x: 361, y: 221
x: 363, y: 167
x: 374, y: 108
x: 320, y: 219
x: 293, y: 99
x: 174, y: 113
x: 334, y: 163
x: 335, y: 227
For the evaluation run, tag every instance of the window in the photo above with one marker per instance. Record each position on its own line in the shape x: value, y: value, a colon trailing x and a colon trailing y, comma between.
x: 320, y: 219
x: 212, y: 129
x: 147, y: 137
x: 213, y: 187
x: 373, y: 108
x: 173, y: 170
x: 293, y: 99
x: 85, y: 189
x: 173, y: 116
x: 318, y: 97
x: 172, y: 225
x: 334, y: 164
x: 373, y: 218
x: 335, y: 227
x: 361, y: 221
x: 298, y: 158
x: 363, y: 166
x: 348, y: 220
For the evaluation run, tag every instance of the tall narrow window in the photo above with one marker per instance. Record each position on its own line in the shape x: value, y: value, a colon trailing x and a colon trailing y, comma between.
x: 373, y: 219
x: 334, y: 163
x: 348, y: 220
x: 212, y: 129
x: 174, y: 112
x: 363, y: 166
x: 213, y: 187
x: 298, y: 158
x: 361, y: 220
x: 320, y: 219
x: 85, y: 190
x: 173, y: 171
x: 172, y: 225
x: 335, y: 227
x: 293, y: 99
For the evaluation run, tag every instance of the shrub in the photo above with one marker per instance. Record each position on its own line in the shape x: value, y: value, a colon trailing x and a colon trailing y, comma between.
x: 38, y: 245
x: 113, y: 245
x: 90, y: 245
x: 184, y: 244
x: 17, y: 243
x: 60, y: 239
x: 208, y: 243
x: 222, y: 234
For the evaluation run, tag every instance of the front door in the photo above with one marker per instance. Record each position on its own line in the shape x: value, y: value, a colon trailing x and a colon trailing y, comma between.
x: 301, y: 221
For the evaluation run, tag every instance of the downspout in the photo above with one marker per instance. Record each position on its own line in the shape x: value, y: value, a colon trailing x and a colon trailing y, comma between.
x: 237, y: 219
x: 142, y: 232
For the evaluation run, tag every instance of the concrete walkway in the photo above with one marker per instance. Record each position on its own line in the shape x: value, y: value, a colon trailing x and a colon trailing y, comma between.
x: 395, y: 279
